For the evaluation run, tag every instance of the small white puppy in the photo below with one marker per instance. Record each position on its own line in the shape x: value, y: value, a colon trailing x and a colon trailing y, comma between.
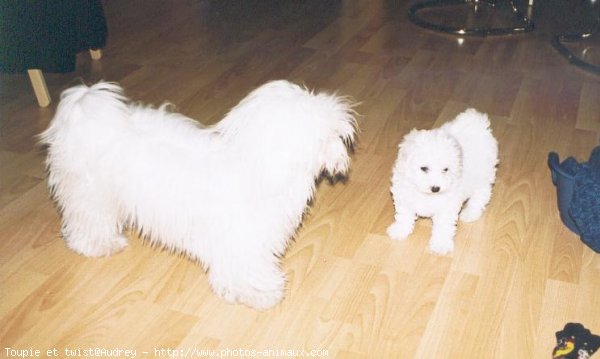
x: 230, y: 196
x: 437, y: 171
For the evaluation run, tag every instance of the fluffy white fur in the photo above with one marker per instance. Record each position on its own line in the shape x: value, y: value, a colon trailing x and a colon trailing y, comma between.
x: 229, y: 196
x: 437, y: 171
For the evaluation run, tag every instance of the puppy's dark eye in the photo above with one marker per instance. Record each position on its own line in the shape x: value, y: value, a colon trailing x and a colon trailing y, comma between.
x: 445, y: 170
x: 424, y: 169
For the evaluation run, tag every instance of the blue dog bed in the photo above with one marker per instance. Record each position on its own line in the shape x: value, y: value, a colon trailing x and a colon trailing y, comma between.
x: 578, y: 195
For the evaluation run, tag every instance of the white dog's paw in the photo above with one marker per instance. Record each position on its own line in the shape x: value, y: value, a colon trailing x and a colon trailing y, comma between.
x: 98, y: 248
x: 470, y: 214
x: 441, y: 247
x: 249, y: 294
x: 261, y: 299
x: 399, y: 231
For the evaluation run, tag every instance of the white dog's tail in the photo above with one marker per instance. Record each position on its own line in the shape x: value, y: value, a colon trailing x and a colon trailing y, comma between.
x: 82, y: 103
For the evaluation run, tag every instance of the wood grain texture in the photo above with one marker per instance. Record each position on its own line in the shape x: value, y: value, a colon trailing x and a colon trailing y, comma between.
x: 515, y: 278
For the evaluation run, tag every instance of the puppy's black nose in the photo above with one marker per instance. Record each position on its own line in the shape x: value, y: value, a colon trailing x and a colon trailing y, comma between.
x: 435, y: 189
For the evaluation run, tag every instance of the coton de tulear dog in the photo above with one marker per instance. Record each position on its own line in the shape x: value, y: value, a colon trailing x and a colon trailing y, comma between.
x: 437, y: 171
x: 230, y: 196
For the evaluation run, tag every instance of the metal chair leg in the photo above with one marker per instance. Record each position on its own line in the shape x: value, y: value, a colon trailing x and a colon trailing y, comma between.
x: 526, y: 25
x: 558, y: 40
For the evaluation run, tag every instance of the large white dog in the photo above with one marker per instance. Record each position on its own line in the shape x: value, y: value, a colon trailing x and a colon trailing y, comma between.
x: 437, y: 171
x: 229, y: 196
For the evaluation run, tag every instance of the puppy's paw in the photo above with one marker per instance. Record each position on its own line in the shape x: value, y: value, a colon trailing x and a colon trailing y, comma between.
x: 441, y: 247
x: 470, y: 214
x: 399, y: 231
x: 98, y: 248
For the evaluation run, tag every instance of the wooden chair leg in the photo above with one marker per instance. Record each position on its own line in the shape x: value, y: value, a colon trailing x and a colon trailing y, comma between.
x: 39, y: 84
x: 39, y: 87
x: 96, y: 54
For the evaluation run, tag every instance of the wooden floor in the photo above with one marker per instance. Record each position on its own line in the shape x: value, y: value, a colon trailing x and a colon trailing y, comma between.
x: 516, y: 277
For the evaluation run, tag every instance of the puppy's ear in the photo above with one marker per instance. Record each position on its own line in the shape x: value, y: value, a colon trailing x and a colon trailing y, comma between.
x: 413, y: 133
x: 406, y: 148
x: 409, y: 138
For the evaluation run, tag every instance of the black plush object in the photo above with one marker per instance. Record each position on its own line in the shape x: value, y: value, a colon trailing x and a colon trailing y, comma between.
x: 48, y: 34
x: 575, y: 342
